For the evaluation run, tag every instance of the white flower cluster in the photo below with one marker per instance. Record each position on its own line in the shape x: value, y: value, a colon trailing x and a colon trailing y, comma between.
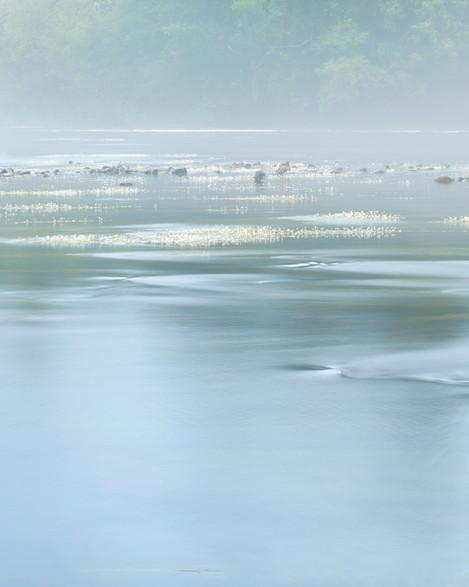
x: 212, y: 236
x: 361, y: 216
x: 70, y: 192
x: 459, y: 220
x: 39, y: 208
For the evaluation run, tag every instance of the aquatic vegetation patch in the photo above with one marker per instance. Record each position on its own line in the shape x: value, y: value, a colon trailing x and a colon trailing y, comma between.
x: 227, y: 210
x: 211, y: 236
x: 284, y: 198
x: 71, y: 192
x: 350, y: 217
x: 47, y: 208
x: 370, y: 180
x: 46, y: 213
x: 458, y: 220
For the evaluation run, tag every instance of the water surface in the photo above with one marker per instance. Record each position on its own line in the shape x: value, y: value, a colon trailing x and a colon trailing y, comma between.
x: 278, y: 413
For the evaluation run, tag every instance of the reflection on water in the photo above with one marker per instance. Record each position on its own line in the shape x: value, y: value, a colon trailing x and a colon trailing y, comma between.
x: 287, y: 413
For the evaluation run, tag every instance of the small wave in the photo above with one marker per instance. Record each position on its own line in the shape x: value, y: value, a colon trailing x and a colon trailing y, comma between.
x: 300, y: 265
x: 90, y: 157
x: 446, y: 365
x: 80, y: 139
x: 311, y: 367
x: 206, y: 131
x: 450, y: 132
x: 434, y: 269
x: 211, y: 282
x: 178, y: 130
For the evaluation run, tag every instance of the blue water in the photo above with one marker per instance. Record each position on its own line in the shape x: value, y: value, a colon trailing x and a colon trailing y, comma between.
x: 291, y: 413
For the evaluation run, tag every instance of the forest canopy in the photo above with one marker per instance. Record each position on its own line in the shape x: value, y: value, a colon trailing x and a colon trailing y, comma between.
x: 278, y: 63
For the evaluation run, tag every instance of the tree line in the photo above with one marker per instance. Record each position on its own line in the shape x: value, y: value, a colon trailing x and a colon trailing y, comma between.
x: 208, y: 62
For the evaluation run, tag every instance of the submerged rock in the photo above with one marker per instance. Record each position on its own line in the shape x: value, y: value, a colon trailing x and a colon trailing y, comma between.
x: 444, y: 179
x: 180, y: 171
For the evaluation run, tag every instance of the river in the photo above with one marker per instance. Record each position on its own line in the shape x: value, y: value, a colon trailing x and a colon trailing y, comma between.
x: 209, y: 381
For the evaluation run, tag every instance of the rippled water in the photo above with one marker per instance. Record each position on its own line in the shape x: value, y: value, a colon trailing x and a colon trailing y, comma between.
x: 286, y: 412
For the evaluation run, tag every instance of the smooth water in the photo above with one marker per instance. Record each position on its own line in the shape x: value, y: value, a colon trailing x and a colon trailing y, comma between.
x: 285, y: 413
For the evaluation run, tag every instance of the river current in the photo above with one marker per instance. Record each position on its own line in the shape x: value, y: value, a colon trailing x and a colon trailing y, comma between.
x: 211, y: 381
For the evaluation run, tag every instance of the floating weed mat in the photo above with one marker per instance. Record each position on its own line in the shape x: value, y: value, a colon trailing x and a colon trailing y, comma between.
x: 211, y: 236
x: 459, y: 220
x: 47, y: 208
x: 71, y: 192
x: 362, y: 216
x: 261, y: 198
x: 350, y: 217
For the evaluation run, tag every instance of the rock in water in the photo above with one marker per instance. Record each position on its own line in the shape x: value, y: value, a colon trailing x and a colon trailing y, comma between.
x: 283, y: 169
x: 181, y: 171
x: 444, y: 179
x: 259, y: 176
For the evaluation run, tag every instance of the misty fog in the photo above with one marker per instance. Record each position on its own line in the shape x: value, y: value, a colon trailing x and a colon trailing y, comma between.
x: 235, y: 63
x: 234, y: 293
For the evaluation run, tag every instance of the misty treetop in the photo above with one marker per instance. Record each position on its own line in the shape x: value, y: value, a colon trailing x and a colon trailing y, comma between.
x: 233, y: 62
